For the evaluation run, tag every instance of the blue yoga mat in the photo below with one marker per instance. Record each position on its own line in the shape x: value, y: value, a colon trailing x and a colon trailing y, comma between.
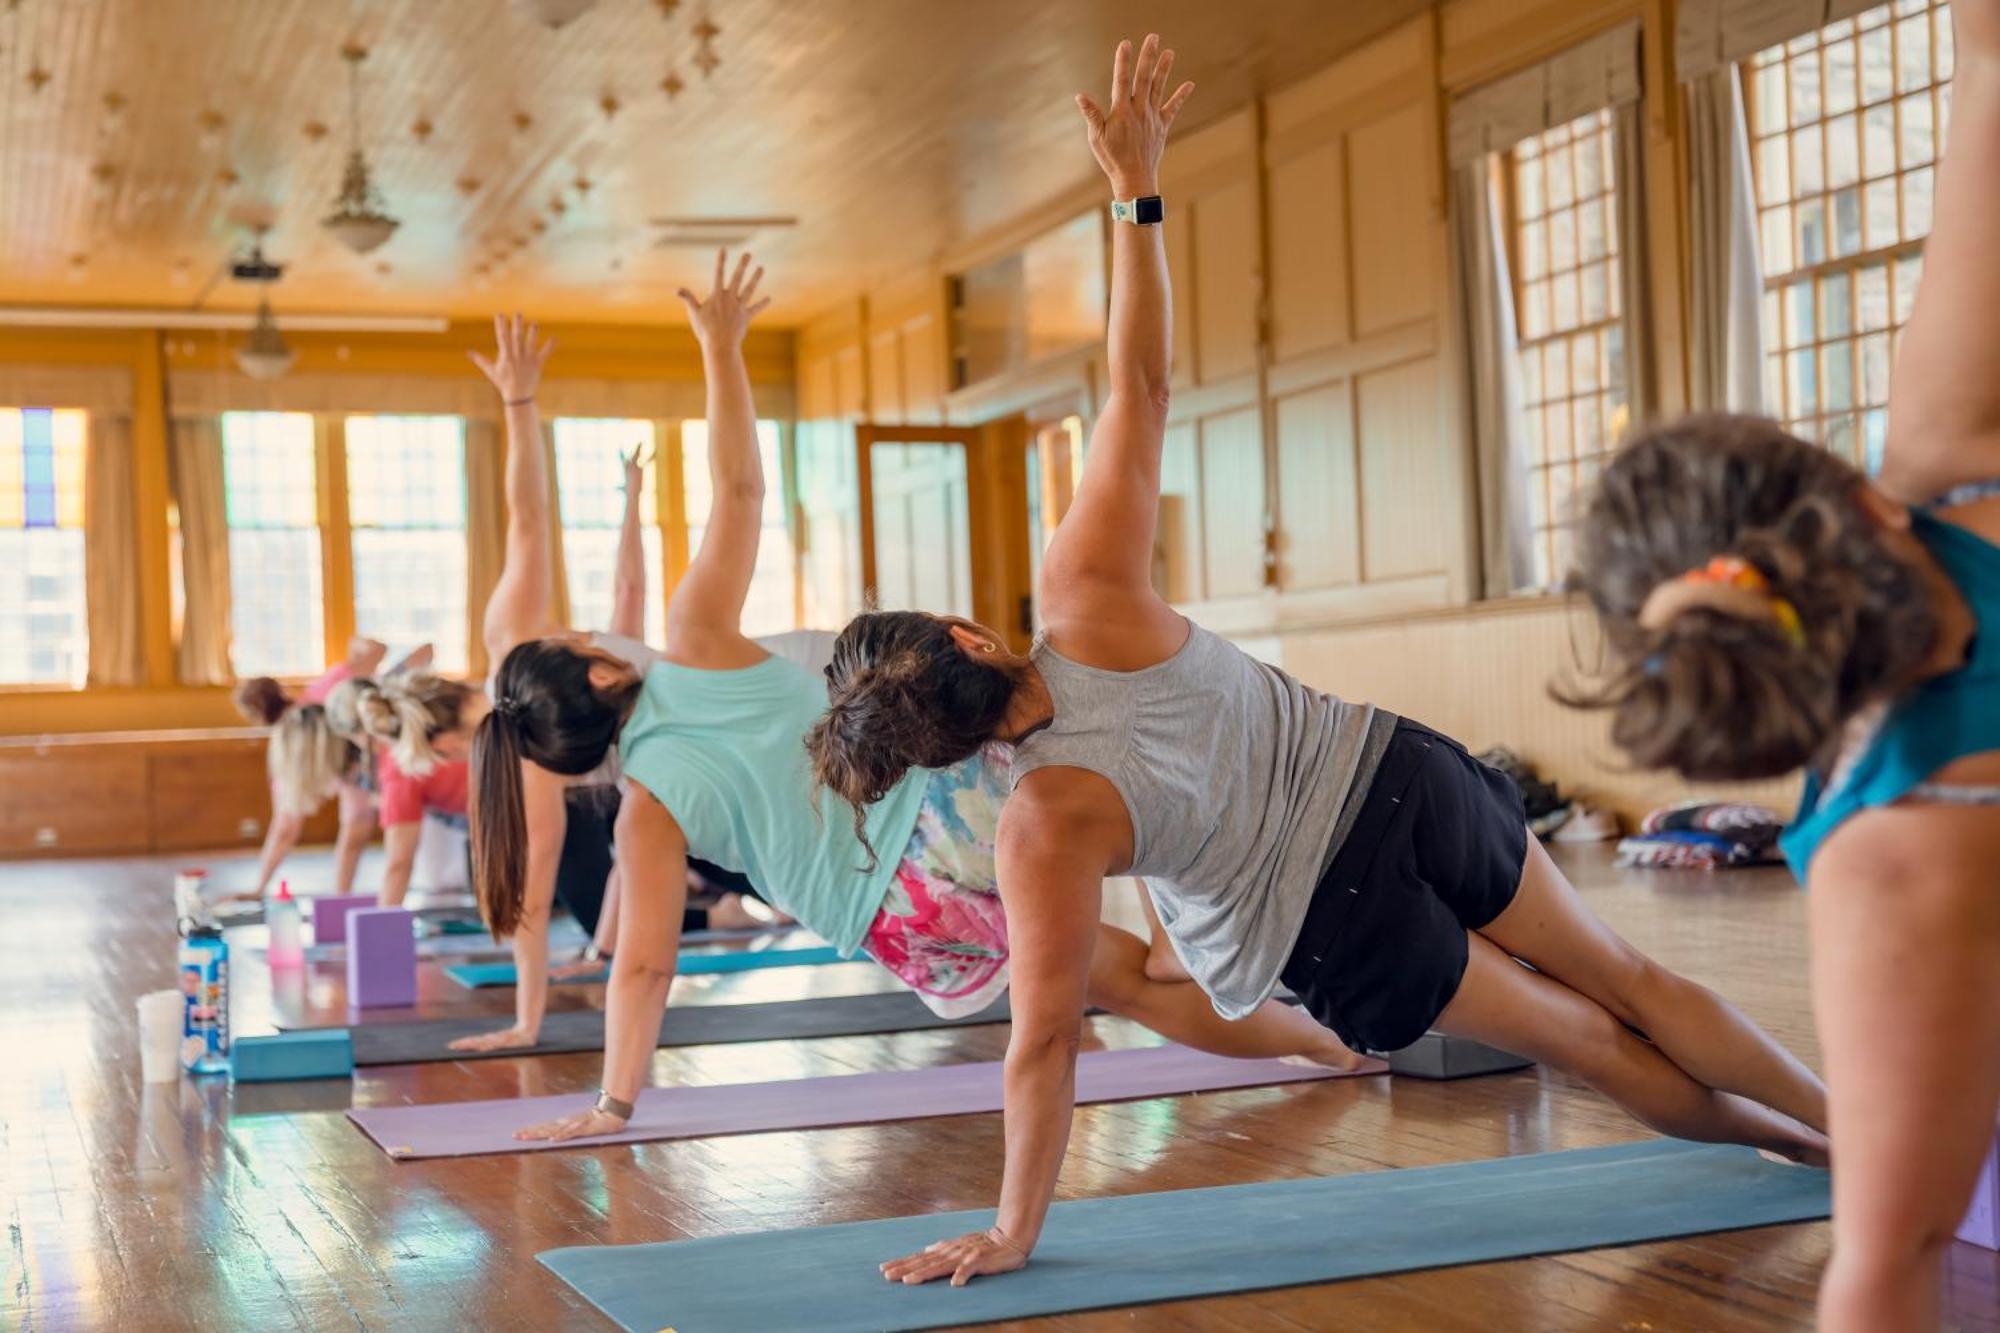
x: 501, y: 973
x: 1100, y: 1253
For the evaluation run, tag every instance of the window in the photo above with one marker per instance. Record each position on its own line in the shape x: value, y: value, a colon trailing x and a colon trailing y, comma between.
x: 590, y: 489
x: 44, y: 629
x: 1846, y: 124
x: 406, y: 505
x: 1568, y: 310
x: 270, y: 474
x: 772, y: 606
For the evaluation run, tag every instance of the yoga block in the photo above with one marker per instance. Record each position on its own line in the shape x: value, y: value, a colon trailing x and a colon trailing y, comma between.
x: 381, y: 958
x: 1982, y: 1221
x: 1435, y: 1055
x: 330, y: 915
x: 323, y: 1053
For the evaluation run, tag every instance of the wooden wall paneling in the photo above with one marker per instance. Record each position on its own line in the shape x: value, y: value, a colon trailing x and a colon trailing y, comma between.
x: 886, y: 398
x: 62, y: 802
x: 1233, y: 499
x: 1179, y: 568
x: 1226, y: 280
x: 1405, y: 490
x: 850, y: 382
x: 212, y: 794
x: 1309, y: 251
x: 1480, y: 40
x: 922, y: 341
x: 1398, y: 248
x: 1319, y: 500
x: 1179, y: 239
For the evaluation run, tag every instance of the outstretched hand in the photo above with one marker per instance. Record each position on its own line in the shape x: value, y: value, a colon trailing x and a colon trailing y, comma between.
x: 516, y: 366
x: 961, y: 1259
x: 635, y: 464
x: 722, y: 318
x: 1128, y: 138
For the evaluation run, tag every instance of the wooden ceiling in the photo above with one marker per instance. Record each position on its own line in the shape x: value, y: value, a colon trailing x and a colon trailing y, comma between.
x: 526, y: 164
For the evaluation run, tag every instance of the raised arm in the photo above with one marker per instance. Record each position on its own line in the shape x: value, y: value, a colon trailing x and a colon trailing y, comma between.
x: 522, y: 603
x: 1099, y: 564
x: 652, y: 857
x: 628, y: 591
x: 1944, y: 397
x: 705, y: 614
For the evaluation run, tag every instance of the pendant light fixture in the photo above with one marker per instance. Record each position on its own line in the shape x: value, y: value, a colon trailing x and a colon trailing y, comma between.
x: 264, y: 355
x: 357, y: 220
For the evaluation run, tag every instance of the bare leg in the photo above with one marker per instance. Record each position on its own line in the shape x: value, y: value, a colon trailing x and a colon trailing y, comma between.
x: 1906, y: 984
x: 1179, y: 1010
x: 1162, y: 963
x: 1532, y: 1014
x: 357, y: 827
x: 1548, y: 926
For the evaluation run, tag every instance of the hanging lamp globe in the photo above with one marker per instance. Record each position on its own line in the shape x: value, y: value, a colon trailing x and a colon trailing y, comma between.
x: 357, y: 220
x: 264, y: 355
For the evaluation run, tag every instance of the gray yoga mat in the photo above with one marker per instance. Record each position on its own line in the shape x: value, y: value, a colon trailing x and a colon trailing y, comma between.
x: 685, y: 1025
x: 470, y: 1129
x: 1101, y: 1253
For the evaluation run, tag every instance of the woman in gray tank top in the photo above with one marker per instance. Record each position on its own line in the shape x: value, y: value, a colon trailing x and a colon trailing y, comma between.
x: 1366, y: 861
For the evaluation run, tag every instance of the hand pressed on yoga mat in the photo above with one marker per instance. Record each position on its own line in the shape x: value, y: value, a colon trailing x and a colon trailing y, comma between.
x: 506, y: 1039
x: 972, y: 1255
x: 582, y: 1125
x: 578, y: 967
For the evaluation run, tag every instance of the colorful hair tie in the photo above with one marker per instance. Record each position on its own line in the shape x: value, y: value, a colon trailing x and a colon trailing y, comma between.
x: 1729, y: 584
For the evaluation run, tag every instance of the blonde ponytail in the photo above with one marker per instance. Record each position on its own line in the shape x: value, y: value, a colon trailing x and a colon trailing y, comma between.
x: 408, y: 712
x: 307, y: 761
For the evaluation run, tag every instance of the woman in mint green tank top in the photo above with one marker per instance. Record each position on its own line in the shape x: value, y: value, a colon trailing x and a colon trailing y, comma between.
x: 1767, y: 607
x: 711, y: 740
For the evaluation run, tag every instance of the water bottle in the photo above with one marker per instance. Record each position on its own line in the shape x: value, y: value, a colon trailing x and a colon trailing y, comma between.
x: 281, y: 915
x: 191, y: 900
x: 204, y: 970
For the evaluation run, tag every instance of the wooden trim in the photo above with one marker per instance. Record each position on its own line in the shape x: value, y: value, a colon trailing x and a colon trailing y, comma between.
x: 1378, y: 351
x: 670, y: 482
x: 336, y: 533
x: 1528, y: 34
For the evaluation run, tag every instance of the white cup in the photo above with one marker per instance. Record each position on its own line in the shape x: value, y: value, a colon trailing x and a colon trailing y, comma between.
x: 162, y: 1016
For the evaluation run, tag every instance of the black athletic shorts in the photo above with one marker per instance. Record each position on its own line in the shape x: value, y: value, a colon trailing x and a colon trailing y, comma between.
x: 587, y: 856
x: 1436, y: 850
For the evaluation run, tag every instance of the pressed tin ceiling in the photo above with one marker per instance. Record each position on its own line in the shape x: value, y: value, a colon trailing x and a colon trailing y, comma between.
x: 527, y: 165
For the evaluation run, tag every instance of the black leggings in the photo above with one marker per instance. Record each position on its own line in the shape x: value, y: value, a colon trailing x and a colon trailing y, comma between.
x: 586, y: 861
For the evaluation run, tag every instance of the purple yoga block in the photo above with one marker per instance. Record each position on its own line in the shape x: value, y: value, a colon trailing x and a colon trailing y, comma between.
x: 381, y: 958
x: 1982, y: 1221
x: 330, y: 915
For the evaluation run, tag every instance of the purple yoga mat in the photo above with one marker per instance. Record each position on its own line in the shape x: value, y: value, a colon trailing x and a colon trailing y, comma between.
x: 470, y: 1129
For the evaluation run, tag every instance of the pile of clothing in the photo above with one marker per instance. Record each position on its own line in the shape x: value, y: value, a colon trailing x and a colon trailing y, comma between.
x: 1704, y: 835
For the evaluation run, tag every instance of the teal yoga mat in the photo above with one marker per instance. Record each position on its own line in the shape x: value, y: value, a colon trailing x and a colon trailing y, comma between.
x: 501, y: 973
x: 1101, y: 1253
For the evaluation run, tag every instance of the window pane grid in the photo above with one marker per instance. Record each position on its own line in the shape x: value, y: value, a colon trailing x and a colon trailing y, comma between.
x: 44, y: 623
x: 406, y: 508
x: 1568, y: 305
x: 590, y: 493
x: 772, y: 606
x: 270, y: 479
x: 1847, y: 124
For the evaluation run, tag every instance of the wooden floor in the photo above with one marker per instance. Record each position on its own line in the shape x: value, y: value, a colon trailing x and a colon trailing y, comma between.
x: 192, y: 1206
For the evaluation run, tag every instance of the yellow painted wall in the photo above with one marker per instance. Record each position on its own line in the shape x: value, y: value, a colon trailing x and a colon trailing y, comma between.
x: 1315, y: 384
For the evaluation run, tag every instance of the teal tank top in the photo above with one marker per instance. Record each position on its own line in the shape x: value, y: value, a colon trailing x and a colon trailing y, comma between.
x: 1939, y: 721
x: 724, y: 752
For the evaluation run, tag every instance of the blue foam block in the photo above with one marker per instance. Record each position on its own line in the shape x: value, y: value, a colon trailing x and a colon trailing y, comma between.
x: 308, y: 1053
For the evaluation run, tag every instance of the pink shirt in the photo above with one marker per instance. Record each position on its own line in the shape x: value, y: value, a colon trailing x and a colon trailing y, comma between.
x: 326, y: 683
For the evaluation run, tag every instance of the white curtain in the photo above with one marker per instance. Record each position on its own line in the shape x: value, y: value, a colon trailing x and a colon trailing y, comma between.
x: 1725, y: 333
x: 201, y: 497
x: 1482, y: 293
x: 111, y: 554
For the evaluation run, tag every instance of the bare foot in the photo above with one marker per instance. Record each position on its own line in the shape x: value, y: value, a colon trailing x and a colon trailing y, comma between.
x: 1810, y: 1148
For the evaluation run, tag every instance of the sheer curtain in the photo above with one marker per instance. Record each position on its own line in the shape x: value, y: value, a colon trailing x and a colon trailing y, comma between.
x: 1725, y: 336
x: 111, y: 554
x: 203, y: 501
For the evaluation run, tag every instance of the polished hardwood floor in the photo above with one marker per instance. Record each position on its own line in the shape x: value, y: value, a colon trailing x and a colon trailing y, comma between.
x: 194, y: 1206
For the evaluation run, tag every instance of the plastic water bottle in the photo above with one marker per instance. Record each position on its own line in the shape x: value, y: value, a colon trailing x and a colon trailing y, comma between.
x: 204, y: 971
x: 191, y: 900
x: 281, y: 915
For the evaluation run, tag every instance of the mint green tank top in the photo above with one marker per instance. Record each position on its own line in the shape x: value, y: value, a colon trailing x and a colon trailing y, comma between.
x: 1939, y: 721
x: 724, y: 752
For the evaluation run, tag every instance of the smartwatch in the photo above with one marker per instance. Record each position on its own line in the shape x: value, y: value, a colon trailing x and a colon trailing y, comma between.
x: 613, y: 1106
x: 1145, y: 211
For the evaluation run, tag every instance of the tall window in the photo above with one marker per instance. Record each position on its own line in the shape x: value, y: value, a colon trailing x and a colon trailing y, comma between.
x: 406, y: 504
x: 590, y: 489
x: 772, y: 606
x: 1567, y: 304
x: 44, y: 630
x: 1847, y: 123
x: 276, y: 622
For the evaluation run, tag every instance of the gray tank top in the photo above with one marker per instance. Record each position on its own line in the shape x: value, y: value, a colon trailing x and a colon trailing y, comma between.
x: 1236, y: 778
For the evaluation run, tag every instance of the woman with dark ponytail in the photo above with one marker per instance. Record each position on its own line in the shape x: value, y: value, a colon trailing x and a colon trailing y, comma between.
x: 711, y: 741
x: 1767, y: 607
x: 1367, y: 862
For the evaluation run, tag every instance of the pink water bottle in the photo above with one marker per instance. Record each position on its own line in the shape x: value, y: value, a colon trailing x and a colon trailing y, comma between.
x: 281, y: 915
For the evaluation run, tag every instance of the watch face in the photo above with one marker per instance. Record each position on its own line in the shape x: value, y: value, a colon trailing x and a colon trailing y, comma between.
x: 1148, y: 209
